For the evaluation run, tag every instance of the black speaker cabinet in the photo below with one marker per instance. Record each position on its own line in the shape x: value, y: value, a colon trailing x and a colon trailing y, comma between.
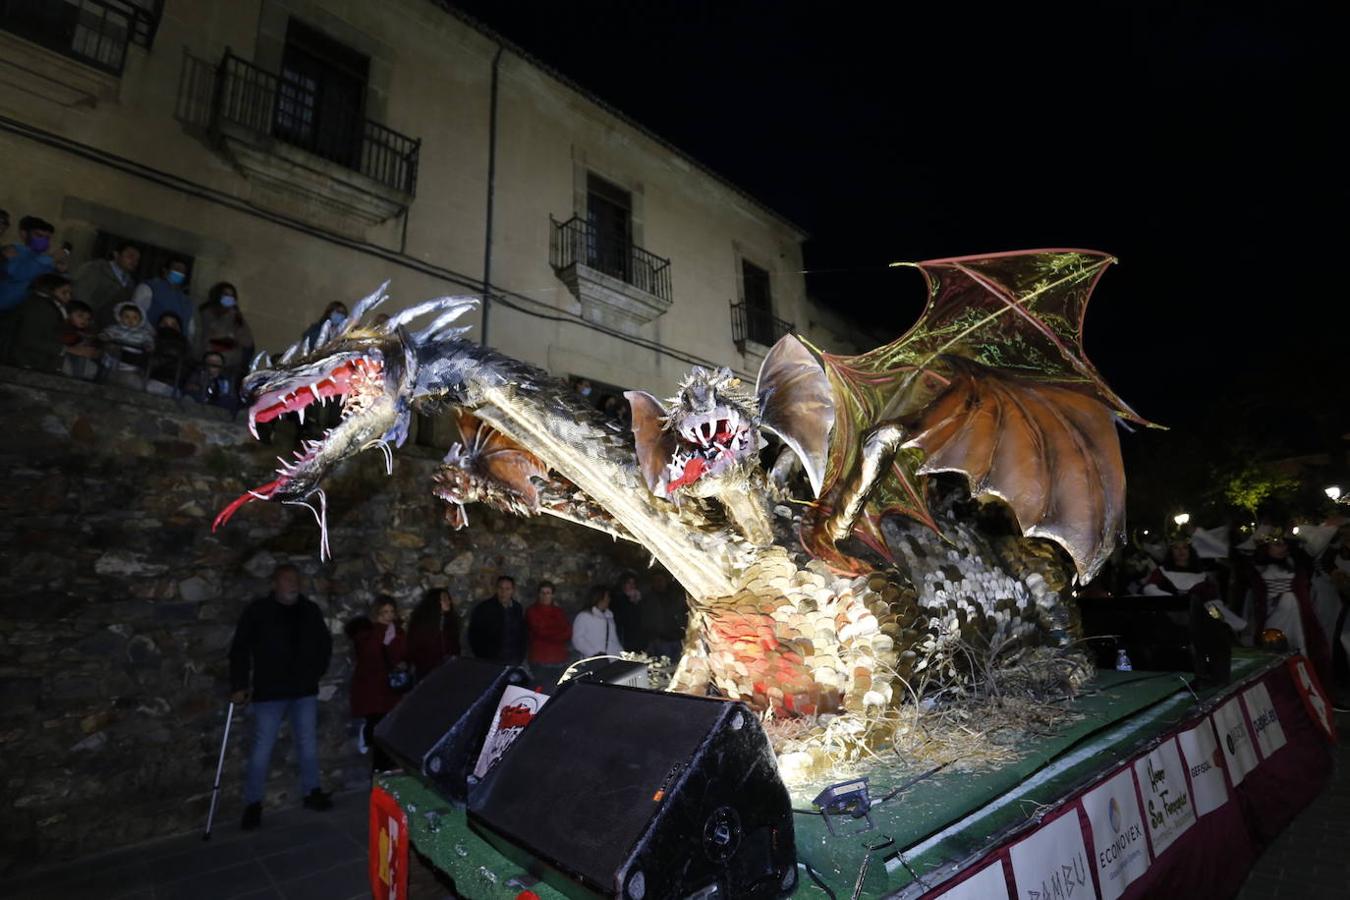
x: 437, y: 730
x: 614, y: 791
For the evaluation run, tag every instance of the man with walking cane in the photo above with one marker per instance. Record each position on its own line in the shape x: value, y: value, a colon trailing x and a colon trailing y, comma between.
x: 281, y: 649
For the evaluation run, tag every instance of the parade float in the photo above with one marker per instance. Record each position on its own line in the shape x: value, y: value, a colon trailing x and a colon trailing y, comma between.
x: 880, y: 553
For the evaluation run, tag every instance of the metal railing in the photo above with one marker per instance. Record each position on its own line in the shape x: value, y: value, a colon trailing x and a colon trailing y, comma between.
x: 95, y: 32
x: 758, y: 325
x: 577, y: 241
x: 239, y: 93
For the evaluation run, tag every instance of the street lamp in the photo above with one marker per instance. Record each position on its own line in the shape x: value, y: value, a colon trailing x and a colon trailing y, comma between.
x: 1333, y: 492
x: 1181, y: 519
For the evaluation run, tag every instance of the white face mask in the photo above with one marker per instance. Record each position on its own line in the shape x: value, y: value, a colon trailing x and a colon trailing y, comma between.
x: 585, y: 392
x: 227, y: 301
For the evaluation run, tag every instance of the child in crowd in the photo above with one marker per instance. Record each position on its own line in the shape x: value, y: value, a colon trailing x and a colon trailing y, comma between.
x: 127, y: 345
x: 209, y: 384
x: 80, y: 351
x: 169, y: 365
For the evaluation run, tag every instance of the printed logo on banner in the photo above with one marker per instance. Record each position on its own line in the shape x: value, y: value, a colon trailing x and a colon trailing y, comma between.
x: 1203, y: 759
x: 1117, y: 833
x: 1167, y: 802
x: 1314, y: 699
x: 1269, y: 733
x: 987, y: 884
x: 1235, y: 740
x: 1052, y: 864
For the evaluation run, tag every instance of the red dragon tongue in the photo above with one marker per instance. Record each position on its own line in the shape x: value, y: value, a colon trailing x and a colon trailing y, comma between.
x: 693, y: 470
x: 260, y: 493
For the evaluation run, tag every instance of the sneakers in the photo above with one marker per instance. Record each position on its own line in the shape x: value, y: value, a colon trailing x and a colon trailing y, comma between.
x: 318, y: 801
x: 252, y: 817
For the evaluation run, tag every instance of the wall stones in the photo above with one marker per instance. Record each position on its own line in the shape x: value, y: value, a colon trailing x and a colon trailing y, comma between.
x: 117, y: 603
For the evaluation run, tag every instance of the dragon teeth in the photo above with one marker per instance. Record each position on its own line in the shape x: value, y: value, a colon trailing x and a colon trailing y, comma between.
x: 314, y: 389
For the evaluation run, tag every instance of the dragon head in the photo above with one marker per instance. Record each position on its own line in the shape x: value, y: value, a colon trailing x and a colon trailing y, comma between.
x: 710, y: 431
x: 370, y: 370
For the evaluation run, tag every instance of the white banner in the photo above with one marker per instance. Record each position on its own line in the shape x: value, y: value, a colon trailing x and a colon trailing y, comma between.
x: 1053, y: 862
x: 988, y: 884
x: 1235, y: 740
x: 1266, y: 722
x: 1168, y: 810
x: 1117, y: 833
x: 515, y: 710
x: 1204, y: 761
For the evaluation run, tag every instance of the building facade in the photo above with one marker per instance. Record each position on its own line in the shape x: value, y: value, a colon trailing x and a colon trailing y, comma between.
x: 307, y: 150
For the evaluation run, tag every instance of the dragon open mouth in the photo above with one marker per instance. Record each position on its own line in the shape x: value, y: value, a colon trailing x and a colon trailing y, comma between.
x: 708, y: 444
x: 356, y: 383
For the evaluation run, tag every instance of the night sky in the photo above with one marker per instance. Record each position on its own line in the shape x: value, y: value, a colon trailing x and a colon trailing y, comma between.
x: 1191, y: 141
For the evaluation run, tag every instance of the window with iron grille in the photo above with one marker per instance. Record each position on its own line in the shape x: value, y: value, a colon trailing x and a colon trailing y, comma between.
x: 95, y: 32
x: 759, y: 321
x: 321, y: 95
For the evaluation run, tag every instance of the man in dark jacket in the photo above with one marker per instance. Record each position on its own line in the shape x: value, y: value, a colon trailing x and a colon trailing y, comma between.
x: 497, y: 626
x: 32, y: 333
x: 281, y: 649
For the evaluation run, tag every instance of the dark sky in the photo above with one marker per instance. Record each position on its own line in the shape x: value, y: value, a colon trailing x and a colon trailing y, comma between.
x: 1192, y: 140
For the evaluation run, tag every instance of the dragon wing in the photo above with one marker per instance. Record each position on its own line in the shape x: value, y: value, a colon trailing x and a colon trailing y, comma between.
x: 796, y: 403
x: 1018, y: 318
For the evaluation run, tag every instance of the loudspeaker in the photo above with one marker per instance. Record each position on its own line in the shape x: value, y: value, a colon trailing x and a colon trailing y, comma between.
x: 437, y: 730
x: 614, y: 791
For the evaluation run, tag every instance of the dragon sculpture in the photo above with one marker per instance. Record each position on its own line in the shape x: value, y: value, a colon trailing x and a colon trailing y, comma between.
x: 766, y: 503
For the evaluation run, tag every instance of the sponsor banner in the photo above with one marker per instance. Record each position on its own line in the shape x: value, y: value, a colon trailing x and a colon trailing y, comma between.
x: 1053, y: 864
x: 1204, y: 762
x: 1168, y: 810
x: 515, y: 710
x: 1120, y: 851
x: 1315, y: 699
x: 987, y: 884
x: 388, y: 858
x: 1235, y: 740
x: 1265, y: 721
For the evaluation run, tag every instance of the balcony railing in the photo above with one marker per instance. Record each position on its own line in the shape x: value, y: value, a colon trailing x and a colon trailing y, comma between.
x: 760, y: 326
x: 577, y: 241
x: 238, y: 93
x: 95, y: 32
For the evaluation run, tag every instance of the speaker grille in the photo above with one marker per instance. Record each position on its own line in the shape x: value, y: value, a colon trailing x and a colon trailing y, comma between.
x: 591, y: 811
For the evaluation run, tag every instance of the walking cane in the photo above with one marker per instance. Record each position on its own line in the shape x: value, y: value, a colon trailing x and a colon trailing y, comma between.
x: 220, y: 767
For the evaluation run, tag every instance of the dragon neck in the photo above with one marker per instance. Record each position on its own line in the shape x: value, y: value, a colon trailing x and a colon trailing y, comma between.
x: 542, y: 414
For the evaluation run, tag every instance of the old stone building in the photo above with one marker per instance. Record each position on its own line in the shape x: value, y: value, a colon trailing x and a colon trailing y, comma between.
x: 306, y: 150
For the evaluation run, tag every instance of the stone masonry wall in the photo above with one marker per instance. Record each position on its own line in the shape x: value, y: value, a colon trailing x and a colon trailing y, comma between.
x: 117, y: 604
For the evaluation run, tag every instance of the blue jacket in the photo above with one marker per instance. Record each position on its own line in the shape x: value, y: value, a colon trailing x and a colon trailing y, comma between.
x: 165, y: 298
x: 19, y: 272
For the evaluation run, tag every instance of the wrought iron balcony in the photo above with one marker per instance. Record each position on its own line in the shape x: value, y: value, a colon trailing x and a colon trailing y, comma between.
x: 95, y: 32
x: 759, y: 326
x: 239, y: 94
x: 576, y: 241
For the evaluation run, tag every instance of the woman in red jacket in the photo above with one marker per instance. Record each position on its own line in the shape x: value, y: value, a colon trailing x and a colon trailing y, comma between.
x: 549, y: 633
x: 379, y: 649
x: 433, y: 632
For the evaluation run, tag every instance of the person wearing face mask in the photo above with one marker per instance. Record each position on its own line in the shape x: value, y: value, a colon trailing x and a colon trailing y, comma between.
x: 26, y: 260
x: 222, y: 329
x: 164, y: 294
x: 280, y: 652
x: 335, y: 312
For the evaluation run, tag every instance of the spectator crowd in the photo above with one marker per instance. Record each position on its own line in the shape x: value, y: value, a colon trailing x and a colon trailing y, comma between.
x: 107, y: 320
x: 282, y: 648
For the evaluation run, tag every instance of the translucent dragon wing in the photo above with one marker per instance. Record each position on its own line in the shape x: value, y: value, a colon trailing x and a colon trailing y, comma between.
x: 796, y: 403
x: 992, y: 382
